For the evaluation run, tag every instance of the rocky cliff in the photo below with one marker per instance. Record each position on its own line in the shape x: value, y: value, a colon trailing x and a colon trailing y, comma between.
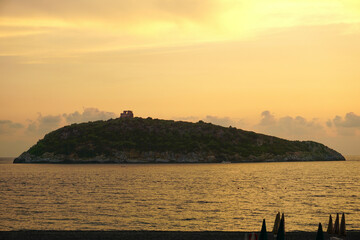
x: 139, y: 140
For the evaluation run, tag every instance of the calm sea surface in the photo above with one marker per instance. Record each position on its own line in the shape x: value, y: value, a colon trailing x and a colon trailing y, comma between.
x: 188, y: 197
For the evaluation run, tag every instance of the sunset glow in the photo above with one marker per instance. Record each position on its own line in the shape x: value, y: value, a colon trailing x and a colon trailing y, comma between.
x: 279, y: 67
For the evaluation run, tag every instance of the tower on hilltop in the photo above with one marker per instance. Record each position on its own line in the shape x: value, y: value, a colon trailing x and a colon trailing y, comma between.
x: 127, y: 114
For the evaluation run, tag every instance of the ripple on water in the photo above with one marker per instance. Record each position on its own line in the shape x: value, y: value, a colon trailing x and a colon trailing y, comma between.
x: 228, y: 197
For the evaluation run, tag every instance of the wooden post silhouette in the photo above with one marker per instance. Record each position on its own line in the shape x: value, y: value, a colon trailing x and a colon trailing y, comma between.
x: 281, y: 231
x: 276, y: 223
x: 263, y: 233
x: 342, y: 226
x: 320, y: 233
x: 336, y: 225
x: 330, y: 229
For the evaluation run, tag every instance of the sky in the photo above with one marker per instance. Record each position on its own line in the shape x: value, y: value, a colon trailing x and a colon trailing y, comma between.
x: 288, y: 68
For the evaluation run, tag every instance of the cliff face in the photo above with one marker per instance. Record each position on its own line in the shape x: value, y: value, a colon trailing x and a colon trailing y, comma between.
x: 140, y: 140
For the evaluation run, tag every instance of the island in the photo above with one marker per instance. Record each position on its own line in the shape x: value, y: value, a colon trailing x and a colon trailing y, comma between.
x: 131, y: 139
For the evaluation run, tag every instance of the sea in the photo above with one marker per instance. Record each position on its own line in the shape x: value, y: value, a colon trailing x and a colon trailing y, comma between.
x: 178, y: 197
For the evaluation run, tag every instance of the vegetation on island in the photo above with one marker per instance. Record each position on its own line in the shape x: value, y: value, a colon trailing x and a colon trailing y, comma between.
x: 140, y: 135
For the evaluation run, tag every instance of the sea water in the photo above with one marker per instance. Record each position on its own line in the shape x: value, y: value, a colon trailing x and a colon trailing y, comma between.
x: 185, y: 197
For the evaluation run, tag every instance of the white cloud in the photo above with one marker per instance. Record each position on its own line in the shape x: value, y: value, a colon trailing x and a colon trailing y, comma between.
x: 346, y: 126
x: 16, y: 137
x: 289, y: 127
x: 47, y: 123
x: 267, y: 118
x: 88, y: 114
x: 222, y: 121
x: 44, y: 124
x: 8, y: 127
x: 351, y: 120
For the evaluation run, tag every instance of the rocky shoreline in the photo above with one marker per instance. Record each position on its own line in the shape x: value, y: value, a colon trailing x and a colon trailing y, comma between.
x: 170, y: 157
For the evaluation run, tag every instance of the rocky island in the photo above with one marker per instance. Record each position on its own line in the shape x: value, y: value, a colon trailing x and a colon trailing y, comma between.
x: 140, y: 140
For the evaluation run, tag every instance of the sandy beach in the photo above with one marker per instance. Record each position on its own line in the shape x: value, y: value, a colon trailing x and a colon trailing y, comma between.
x: 152, y: 235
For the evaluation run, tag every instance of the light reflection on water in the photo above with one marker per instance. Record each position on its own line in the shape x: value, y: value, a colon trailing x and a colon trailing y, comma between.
x: 190, y: 197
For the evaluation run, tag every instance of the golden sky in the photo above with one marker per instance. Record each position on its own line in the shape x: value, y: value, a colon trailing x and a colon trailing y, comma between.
x: 284, y: 67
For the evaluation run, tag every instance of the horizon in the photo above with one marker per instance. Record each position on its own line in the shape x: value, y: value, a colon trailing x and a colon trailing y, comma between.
x: 277, y: 67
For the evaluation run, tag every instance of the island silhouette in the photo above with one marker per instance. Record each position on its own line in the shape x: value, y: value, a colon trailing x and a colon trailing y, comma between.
x: 130, y: 139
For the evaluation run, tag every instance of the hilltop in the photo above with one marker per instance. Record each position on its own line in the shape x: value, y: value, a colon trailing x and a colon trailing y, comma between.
x: 140, y: 140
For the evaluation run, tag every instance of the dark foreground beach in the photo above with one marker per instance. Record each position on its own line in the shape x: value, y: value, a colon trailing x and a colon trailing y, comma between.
x: 152, y: 235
